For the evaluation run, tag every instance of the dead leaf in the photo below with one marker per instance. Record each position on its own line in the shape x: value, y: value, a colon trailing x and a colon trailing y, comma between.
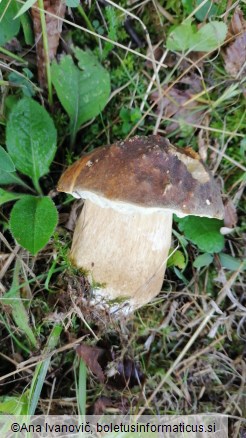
x: 174, y: 105
x: 235, y: 56
x: 100, y: 405
x: 237, y: 23
x: 53, y: 27
x: 127, y: 374
x: 230, y: 217
x: 90, y: 356
x: 235, y: 53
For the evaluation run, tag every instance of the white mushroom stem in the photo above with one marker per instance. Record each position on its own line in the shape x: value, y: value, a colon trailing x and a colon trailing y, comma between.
x: 124, y: 253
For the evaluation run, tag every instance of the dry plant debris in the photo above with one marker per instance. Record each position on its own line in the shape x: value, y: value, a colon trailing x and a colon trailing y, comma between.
x: 179, y: 102
x: 53, y: 28
x: 235, y: 52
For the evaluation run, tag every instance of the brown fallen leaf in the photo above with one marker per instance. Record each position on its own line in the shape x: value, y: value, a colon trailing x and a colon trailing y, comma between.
x: 235, y: 53
x: 237, y: 23
x: 126, y: 373
x: 53, y: 27
x: 90, y: 356
x: 174, y: 105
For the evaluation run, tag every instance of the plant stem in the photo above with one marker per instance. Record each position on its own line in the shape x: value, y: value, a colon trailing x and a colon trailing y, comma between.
x: 86, y: 19
x: 46, y: 50
x: 13, y: 56
x: 37, y: 186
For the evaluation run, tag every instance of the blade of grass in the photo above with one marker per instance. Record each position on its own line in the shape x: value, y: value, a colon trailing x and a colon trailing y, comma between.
x: 42, y: 369
x: 80, y: 386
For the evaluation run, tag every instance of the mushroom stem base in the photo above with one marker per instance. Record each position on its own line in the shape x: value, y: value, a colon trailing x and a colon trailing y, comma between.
x: 124, y: 254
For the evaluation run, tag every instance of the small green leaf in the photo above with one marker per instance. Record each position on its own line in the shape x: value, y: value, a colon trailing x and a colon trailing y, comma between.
x: 6, y: 196
x: 229, y: 262
x: 9, y: 27
x: 207, y: 10
x: 204, y: 232
x: 32, y: 222
x: 83, y: 91
x: 176, y: 259
x: 203, y: 260
x: 23, y: 82
x: 72, y: 3
x: 31, y: 138
x: 14, y: 405
x: 207, y: 38
x: 6, y: 163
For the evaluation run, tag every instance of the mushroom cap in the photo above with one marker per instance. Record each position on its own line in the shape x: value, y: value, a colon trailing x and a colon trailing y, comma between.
x: 145, y: 172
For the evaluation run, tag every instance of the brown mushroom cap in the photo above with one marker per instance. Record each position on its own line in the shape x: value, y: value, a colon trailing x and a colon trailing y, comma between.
x: 146, y: 172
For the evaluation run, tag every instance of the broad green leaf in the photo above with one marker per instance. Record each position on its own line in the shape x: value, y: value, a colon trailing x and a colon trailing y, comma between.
x: 229, y: 262
x: 182, y: 37
x: 32, y: 222
x: 176, y: 259
x: 31, y: 138
x: 204, y: 232
x: 6, y: 163
x: 207, y: 38
x: 72, y: 3
x: 210, y: 36
x: 6, y: 196
x: 83, y: 91
x: 203, y: 260
x: 27, y: 5
x: 9, y: 27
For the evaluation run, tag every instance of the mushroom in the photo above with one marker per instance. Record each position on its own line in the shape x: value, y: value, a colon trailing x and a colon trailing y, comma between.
x: 123, y: 234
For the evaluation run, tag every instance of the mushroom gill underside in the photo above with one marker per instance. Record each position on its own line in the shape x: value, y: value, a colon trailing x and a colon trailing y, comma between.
x: 123, y: 253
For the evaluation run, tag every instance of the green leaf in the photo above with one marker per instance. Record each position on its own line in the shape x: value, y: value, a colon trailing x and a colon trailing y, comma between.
x: 72, y: 3
x: 207, y: 38
x: 83, y: 91
x: 187, y: 5
x: 210, y: 36
x: 203, y: 260
x: 11, y: 178
x: 32, y: 222
x: 204, y: 232
x: 14, y: 405
x: 8, y: 26
x: 176, y: 259
x: 6, y: 196
x: 19, y: 313
x: 229, y: 262
x: 31, y: 138
x: 207, y: 10
x: 23, y: 82
x: 6, y: 163
x: 27, y: 5
x: 182, y: 37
